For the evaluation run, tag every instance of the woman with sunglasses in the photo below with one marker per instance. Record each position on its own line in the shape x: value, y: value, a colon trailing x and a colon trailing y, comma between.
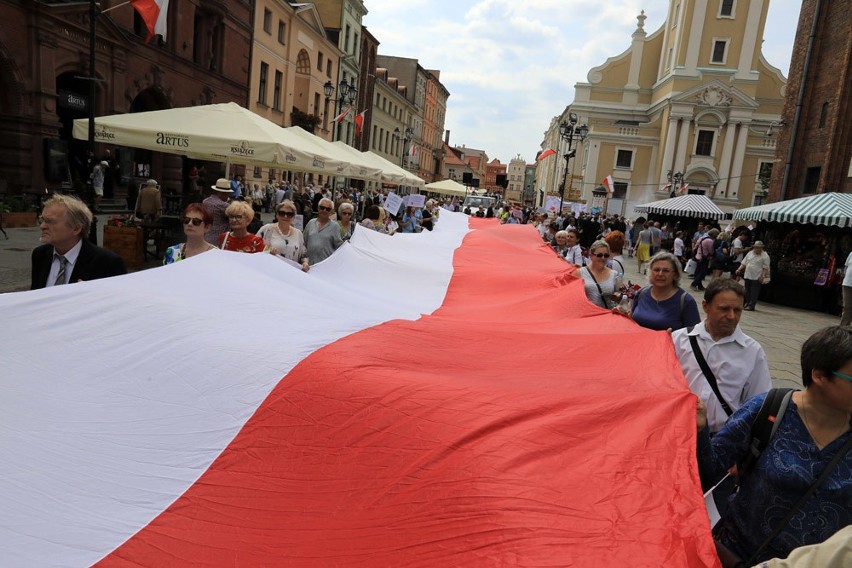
x: 238, y: 239
x: 601, y: 283
x: 664, y: 305
x: 322, y: 235
x: 282, y: 238
x: 344, y: 218
x: 767, y: 516
x: 196, y: 221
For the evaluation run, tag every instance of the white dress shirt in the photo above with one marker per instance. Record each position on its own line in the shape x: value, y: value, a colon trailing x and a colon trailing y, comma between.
x: 71, y: 257
x: 574, y: 255
x: 738, y: 362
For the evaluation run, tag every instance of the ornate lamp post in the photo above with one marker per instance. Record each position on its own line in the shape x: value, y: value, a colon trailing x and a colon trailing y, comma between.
x: 675, y: 182
x: 409, y: 133
x: 346, y: 94
x: 570, y: 132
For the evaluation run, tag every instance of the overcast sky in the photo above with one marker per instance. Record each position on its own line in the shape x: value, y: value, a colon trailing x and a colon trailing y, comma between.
x: 511, y: 65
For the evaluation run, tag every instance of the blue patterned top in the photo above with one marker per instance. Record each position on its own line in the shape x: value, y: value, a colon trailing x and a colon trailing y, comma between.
x: 783, y: 472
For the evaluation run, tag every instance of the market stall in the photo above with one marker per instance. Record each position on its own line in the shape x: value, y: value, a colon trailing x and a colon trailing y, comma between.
x: 808, y: 240
x: 447, y: 187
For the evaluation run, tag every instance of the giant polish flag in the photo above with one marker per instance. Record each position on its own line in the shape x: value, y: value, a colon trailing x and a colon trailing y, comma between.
x: 447, y: 398
x: 155, y: 15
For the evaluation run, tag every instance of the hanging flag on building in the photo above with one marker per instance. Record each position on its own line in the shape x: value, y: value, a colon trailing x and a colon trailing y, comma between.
x: 154, y: 13
x: 359, y: 121
x: 343, y: 114
x: 545, y: 153
x: 683, y: 188
x: 412, y: 150
x: 609, y: 185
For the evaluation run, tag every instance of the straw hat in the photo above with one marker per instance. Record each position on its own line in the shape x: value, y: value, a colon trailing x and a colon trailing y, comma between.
x: 223, y: 185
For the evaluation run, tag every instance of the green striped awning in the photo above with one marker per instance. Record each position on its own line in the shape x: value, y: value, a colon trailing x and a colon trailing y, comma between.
x: 690, y: 205
x: 831, y: 209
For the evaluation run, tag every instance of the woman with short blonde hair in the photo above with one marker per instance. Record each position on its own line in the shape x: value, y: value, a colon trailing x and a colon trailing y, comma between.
x: 238, y: 239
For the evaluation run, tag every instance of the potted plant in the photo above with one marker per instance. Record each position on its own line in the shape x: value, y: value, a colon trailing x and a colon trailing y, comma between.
x: 17, y: 211
x: 125, y: 237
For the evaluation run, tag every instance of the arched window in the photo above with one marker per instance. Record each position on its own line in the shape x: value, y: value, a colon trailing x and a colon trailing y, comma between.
x: 303, y: 63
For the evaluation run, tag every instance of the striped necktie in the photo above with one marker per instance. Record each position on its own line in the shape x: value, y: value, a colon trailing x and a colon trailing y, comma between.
x: 63, y: 265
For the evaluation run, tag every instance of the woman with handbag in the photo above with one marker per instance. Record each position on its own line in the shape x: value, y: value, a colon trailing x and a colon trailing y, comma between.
x: 755, y: 271
x: 601, y: 283
x: 664, y: 305
x: 798, y: 491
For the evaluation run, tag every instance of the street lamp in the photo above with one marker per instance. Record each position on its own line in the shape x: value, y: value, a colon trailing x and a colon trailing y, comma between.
x: 346, y: 94
x: 570, y: 132
x: 675, y: 182
x: 409, y: 133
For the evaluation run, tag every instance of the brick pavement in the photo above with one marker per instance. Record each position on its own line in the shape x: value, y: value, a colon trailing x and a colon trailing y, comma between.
x: 780, y: 329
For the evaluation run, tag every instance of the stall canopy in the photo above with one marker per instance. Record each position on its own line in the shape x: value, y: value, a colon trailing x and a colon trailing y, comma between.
x: 692, y: 205
x: 387, y: 171
x: 410, y: 178
x: 358, y: 166
x: 831, y: 209
x: 447, y: 187
x: 220, y: 132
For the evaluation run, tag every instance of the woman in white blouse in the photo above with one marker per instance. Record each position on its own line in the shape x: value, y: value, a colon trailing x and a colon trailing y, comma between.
x: 283, y: 238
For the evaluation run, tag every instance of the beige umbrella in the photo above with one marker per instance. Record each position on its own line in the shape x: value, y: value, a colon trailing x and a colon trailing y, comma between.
x: 221, y: 132
x: 447, y: 187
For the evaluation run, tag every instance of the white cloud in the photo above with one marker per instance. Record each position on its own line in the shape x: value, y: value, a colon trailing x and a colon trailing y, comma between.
x: 511, y: 65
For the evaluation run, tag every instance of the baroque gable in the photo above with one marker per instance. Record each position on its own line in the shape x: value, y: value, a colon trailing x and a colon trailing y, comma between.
x: 715, y: 95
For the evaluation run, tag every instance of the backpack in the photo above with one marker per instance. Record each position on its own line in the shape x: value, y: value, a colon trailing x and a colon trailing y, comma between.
x: 719, y: 254
x: 764, y: 426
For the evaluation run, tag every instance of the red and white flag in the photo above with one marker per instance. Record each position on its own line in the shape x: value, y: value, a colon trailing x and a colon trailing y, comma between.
x: 412, y: 150
x: 609, y: 185
x: 178, y: 435
x: 359, y: 121
x: 343, y: 114
x: 545, y: 154
x: 154, y: 13
x: 683, y: 188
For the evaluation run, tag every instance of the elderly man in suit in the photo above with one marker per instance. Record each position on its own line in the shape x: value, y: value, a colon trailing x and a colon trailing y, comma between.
x: 67, y: 256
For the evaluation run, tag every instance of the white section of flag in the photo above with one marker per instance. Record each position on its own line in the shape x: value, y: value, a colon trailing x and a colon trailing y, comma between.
x: 101, y: 422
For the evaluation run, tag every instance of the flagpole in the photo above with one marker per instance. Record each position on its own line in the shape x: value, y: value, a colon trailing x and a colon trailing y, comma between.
x: 114, y: 7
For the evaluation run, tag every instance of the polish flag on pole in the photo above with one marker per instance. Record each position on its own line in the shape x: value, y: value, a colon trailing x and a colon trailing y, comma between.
x: 683, y: 188
x: 154, y: 13
x: 412, y: 150
x: 608, y: 184
x: 545, y: 154
x: 359, y: 121
x: 343, y: 114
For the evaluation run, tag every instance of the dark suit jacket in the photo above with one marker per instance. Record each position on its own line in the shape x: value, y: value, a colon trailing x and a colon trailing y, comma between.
x: 93, y: 262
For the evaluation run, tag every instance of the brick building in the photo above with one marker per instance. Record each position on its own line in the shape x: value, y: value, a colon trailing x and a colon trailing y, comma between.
x: 44, y: 52
x: 814, y: 151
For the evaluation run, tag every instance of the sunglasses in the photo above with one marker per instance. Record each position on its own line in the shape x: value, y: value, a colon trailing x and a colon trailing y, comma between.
x: 324, y: 208
x: 286, y: 213
x: 347, y: 213
x: 234, y: 217
x: 602, y: 255
x: 194, y: 220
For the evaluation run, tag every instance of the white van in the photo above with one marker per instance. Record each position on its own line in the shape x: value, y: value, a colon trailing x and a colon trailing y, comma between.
x: 478, y: 202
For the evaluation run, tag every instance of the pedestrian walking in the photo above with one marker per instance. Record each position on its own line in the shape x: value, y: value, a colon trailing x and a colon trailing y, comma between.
x: 755, y: 272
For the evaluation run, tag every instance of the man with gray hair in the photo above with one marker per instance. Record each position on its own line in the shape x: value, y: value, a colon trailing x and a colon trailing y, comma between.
x: 67, y: 256
x: 322, y: 235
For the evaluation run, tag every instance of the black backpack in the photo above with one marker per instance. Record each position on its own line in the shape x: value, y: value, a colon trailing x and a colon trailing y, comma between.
x: 764, y: 426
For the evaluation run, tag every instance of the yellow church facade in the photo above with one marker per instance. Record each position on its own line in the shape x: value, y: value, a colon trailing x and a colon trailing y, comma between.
x: 695, y: 100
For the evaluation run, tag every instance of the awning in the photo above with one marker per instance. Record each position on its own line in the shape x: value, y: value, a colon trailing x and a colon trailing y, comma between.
x: 447, y: 187
x: 691, y: 205
x: 388, y: 172
x: 831, y: 209
x: 358, y: 166
x: 220, y: 132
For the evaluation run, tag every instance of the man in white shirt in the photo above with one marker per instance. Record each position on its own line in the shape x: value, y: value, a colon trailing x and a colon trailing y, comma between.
x: 846, y: 318
x: 736, y: 360
x: 574, y: 254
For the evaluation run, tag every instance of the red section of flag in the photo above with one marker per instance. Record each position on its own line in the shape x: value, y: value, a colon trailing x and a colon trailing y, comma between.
x: 545, y: 154
x: 609, y: 185
x: 343, y: 114
x: 359, y: 121
x: 412, y: 150
x: 361, y: 458
x: 154, y: 14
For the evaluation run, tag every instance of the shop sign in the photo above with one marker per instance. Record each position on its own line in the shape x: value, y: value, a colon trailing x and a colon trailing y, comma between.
x: 67, y: 99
